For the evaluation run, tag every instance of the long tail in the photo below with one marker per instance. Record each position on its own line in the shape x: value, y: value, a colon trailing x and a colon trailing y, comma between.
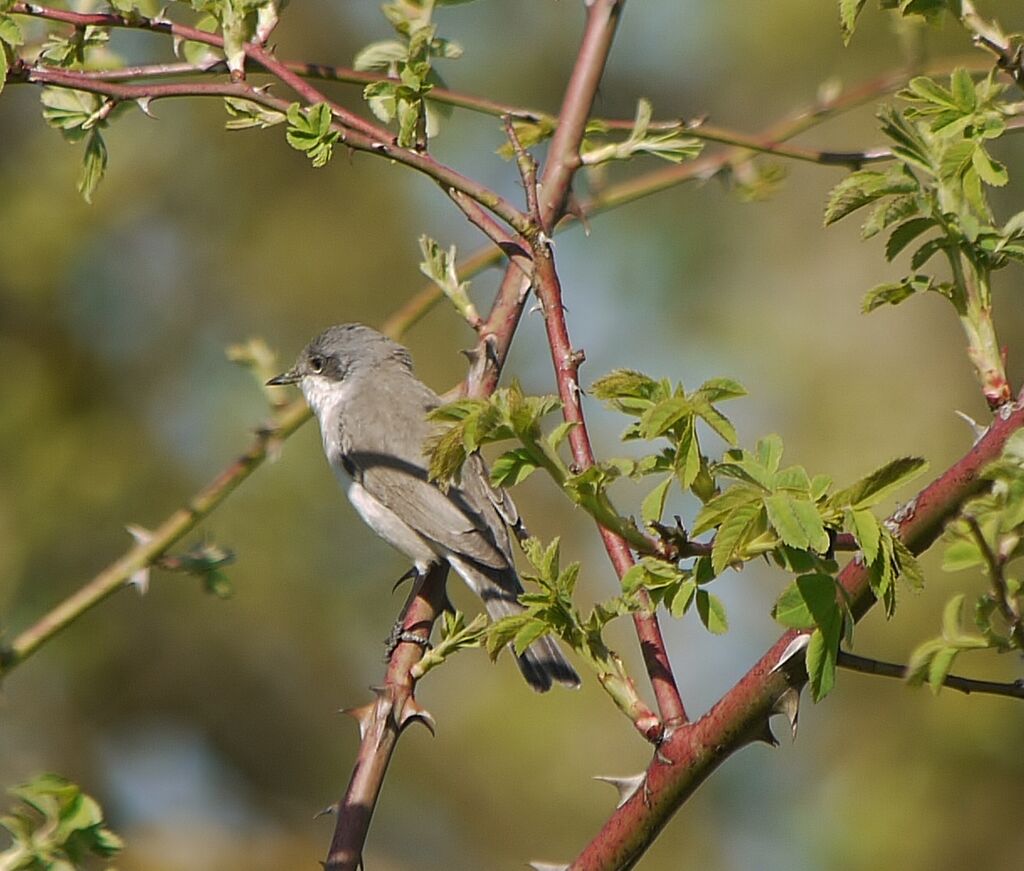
x: 542, y: 663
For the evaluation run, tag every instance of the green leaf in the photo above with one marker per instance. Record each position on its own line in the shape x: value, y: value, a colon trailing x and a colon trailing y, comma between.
x: 863, y: 187
x: 992, y: 172
x: 906, y: 233
x: 659, y: 419
x: 721, y: 506
x: 821, y: 656
x: 886, y: 294
x: 10, y: 32
x: 797, y: 521
x: 712, y: 612
x: 848, y: 12
x: 769, y: 452
x: 94, y: 164
x: 733, y: 532
x: 512, y: 467
x: 940, y: 666
x: 809, y: 601
x: 871, y: 489
x: 380, y: 55
x: 530, y: 632
x: 245, y: 114
x: 909, y: 567
x: 867, y: 531
x: 653, y: 505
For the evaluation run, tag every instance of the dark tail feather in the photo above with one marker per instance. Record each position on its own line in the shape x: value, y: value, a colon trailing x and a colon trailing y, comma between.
x: 542, y: 663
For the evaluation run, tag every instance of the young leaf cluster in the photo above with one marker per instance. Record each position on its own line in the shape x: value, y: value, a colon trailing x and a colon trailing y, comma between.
x: 668, y: 144
x: 56, y: 827
x: 933, y: 199
x: 80, y: 115
x: 551, y: 610
x: 507, y: 414
x: 456, y: 635
x: 309, y: 130
x: 849, y: 11
x: 988, y: 535
x: 440, y: 267
x: 10, y: 38
x: 237, y: 21
x: 408, y: 63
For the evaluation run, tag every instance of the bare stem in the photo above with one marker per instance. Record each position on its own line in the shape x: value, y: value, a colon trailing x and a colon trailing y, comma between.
x: 968, y: 685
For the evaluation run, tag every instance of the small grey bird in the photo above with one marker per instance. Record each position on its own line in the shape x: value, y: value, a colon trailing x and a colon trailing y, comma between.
x: 372, y: 412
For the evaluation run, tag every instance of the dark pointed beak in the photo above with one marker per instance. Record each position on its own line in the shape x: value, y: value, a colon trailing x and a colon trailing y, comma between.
x: 289, y: 377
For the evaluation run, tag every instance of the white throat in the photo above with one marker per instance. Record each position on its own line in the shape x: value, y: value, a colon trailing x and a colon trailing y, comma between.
x: 326, y: 399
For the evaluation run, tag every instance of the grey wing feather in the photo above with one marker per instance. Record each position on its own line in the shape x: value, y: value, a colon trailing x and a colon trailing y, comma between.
x: 384, y: 447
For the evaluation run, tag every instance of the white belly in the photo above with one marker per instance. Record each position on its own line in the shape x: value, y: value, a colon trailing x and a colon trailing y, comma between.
x: 391, y: 527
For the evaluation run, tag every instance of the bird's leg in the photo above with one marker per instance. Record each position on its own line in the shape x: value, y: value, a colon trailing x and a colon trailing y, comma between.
x: 398, y: 632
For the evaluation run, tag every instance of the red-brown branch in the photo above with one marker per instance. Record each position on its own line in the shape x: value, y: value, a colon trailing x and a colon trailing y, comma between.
x: 689, y: 756
x: 380, y: 724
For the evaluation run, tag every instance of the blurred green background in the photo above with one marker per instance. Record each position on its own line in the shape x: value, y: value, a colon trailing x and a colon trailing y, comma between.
x: 207, y: 728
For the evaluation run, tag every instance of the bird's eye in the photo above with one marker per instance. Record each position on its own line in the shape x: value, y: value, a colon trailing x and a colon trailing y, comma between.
x: 316, y: 365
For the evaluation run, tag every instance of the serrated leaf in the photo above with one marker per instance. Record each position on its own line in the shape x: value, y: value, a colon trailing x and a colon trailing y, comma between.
x: 653, y: 505
x: 909, y: 567
x: 906, y: 233
x: 962, y: 554
x: 769, y: 452
x: 720, y: 506
x: 530, y: 632
x: 886, y: 294
x: 94, y: 165
x: 712, y: 612
x: 797, y: 521
x: 848, y: 12
x: 512, y: 467
x: 871, y: 489
x: 821, y: 658
x: 731, y: 534
x: 686, y: 462
x: 809, y: 601
x: 867, y: 532
x: 681, y: 599
x: 992, y: 172
x: 380, y: 55
x: 939, y: 667
x: 889, y: 212
x: 659, y: 419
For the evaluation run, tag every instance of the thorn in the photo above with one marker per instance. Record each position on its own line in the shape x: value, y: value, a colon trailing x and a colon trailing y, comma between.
x: 765, y: 734
x: 626, y: 786
x: 792, y: 649
x: 788, y: 703
x: 363, y: 715
x: 143, y: 104
x: 976, y: 428
x: 414, y: 712
x: 140, y: 577
x: 330, y: 810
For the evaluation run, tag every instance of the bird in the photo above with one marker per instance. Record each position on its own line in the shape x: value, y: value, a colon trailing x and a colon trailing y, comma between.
x: 372, y: 411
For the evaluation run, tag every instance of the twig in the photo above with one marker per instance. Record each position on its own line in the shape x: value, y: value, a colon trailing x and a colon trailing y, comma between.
x: 380, y: 724
x: 967, y: 685
x: 1001, y: 592
x: 145, y: 553
x: 355, y: 132
x: 688, y: 757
